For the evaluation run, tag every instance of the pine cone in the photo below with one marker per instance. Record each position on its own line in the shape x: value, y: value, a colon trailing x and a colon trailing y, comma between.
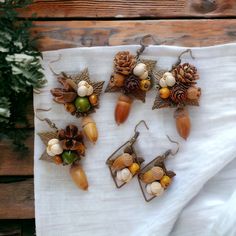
x: 178, y: 94
x: 185, y: 73
x: 124, y: 62
x: 131, y: 84
x: 71, y: 139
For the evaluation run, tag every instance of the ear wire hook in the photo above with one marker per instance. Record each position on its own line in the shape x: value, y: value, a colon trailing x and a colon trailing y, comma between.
x: 136, y: 133
x: 48, y: 121
x: 172, y: 141
x: 53, y: 61
x: 181, y: 54
x: 144, y: 45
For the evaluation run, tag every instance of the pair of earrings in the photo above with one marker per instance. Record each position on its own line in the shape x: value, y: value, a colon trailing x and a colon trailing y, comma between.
x: 133, y: 77
x: 124, y: 164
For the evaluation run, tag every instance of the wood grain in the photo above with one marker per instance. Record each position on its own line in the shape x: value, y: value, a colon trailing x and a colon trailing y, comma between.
x: 17, y: 200
x: 131, y: 9
x: 61, y: 34
x: 15, y: 163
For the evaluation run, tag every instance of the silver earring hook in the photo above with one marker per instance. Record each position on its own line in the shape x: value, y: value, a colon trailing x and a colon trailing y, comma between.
x: 48, y: 121
x: 172, y: 141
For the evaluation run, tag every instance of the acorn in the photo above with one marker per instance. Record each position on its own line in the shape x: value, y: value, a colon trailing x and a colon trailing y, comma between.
x: 90, y: 129
x: 122, y: 109
x: 78, y: 175
x: 183, y: 123
x: 155, y: 173
x: 125, y: 160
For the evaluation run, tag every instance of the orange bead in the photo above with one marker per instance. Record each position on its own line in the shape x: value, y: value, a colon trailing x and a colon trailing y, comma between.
x: 164, y: 93
x: 93, y: 99
x: 57, y: 160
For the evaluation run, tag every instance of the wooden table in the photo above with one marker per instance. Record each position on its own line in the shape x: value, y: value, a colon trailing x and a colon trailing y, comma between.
x: 97, y: 23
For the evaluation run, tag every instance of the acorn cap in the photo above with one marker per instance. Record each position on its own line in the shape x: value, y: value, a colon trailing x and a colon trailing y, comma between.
x: 87, y: 120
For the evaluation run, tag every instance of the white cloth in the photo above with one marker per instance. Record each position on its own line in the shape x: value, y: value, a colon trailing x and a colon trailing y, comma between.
x: 63, y: 210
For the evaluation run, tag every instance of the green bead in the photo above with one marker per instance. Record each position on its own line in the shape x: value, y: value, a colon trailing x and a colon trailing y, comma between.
x: 82, y: 104
x: 69, y: 157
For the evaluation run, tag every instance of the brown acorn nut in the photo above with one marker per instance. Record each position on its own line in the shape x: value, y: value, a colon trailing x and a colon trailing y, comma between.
x: 125, y: 160
x: 90, y: 129
x: 122, y: 109
x: 183, y: 123
x: 155, y: 173
x: 79, y: 177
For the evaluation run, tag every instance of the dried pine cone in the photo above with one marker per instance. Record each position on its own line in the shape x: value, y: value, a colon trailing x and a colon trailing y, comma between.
x: 72, y: 139
x: 185, y: 73
x: 178, y: 94
x: 124, y: 62
x: 131, y: 84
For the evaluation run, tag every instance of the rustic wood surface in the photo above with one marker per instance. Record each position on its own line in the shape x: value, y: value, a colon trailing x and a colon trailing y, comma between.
x: 131, y: 9
x: 97, y: 23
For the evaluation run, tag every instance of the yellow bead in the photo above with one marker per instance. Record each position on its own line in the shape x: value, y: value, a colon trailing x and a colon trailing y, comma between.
x: 134, y: 168
x: 145, y: 84
x: 164, y: 93
x: 165, y: 181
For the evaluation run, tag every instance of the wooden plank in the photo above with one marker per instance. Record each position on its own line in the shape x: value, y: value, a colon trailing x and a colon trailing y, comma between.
x: 17, y: 200
x: 15, y: 163
x: 131, y: 9
x: 62, y: 34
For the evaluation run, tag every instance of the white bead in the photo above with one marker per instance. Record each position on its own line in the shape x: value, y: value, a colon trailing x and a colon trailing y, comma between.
x: 49, y: 152
x: 156, y: 188
x: 82, y: 91
x: 124, y: 175
x: 144, y: 75
x: 139, y: 69
x: 166, y: 74
x: 83, y: 83
x: 53, y: 141
x: 148, y: 189
x: 170, y: 80
x: 162, y: 83
x: 90, y: 90
x: 56, y: 149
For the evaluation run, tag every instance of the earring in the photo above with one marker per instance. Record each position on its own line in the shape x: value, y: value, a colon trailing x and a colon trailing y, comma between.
x: 177, y: 88
x: 132, y: 77
x: 65, y: 147
x: 154, y: 178
x: 80, y: 97
x: 124, y: 163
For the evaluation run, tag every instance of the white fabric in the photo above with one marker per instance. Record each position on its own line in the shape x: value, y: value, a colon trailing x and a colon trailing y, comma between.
x: 63, y: 210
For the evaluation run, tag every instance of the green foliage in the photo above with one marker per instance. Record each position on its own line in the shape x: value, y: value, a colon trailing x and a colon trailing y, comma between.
x: 20, y: 71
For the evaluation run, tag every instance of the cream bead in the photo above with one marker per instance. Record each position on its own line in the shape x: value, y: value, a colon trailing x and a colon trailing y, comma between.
x: 162, y: 83
x: 170, y: 80
x: 56, y: 149
x: 53, y: 141
x: 82, y: 91
x: 124, y: 175
x: 49, y: 152
x: 144, y: 75
x: 90, y: 90
x: 83, y: 83
x: 139, y: 69
x: 155, y: 188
